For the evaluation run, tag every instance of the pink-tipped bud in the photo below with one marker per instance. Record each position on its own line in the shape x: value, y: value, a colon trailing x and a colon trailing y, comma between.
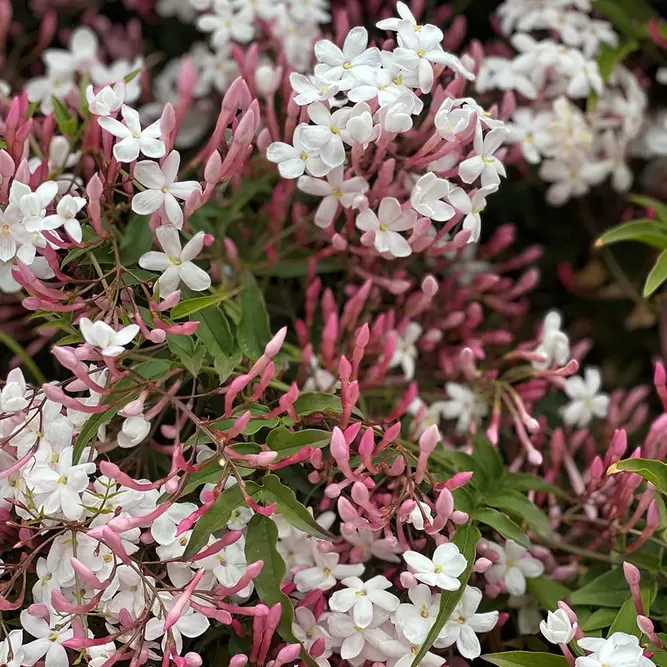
x: 238, y: 660
x: 458, y: 480
x: 273, y: 346
x: 429, y: 439
x: 430, y: 286
x: 569, y: 611
x: 482, y: 565
x: 645, y: 625
x: 632, y: 574
x: 408, y: 580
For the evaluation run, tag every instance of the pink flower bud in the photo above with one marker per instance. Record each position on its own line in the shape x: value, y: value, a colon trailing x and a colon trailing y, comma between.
x: 482, y: 565
x: 645, y: 625
x: 430, y: 286
x: 632, y: 574
x: 429, y: 439
x: 273, y: 346
x: 238, y: 660
x: 408, y: 580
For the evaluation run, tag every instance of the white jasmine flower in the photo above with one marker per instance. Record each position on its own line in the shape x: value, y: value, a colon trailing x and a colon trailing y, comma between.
x: 110, y: 342
x: 465, y: 622
x: 406, y: 353
x: 306, y: 629
x: 15, y: 239
x: 586, y: 402
x: 294, y: 160
x: 32, y: 205
x: 65, y: 216
x: 80, y: 57
x: 11, y: 650
x: 326, y: 135
x: 558, y: 629
x: 464, y: 405
x: 363, y: 597
x: 164, y: 528
x: 335, y: 191
x: 484, y: 163
x: 106, y: 101
x: 162, y: 188
x: 346, y: 65
x: 14, y: 395
x: 133, y: 431
x: 416, y: 618
x: 325, y: 573
x: 513, y: 566
x: 386, y: 224
x: 175, y: 263
x: 49, y: 638
x: 310, y: 89
x: 619, y: 650
x: 554, y: 344
x: 473, y: 220
x: 133, y: 140
x: 190, y: 623
x: 442, y: 570
x: 438, y: 199
x: 356, y: 641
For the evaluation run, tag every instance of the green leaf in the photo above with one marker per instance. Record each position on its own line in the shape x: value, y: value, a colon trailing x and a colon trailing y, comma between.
x: 488, y: 463
x: 149, y: 370
x: 503, y: 525
x: 64, y: 119
x: 253, y: 332
x: 287, y: 442
x: 652, y: 471
x: 137, y: 240
x: 657, y: 275
x: 611, y: 56
x: 645, y: 231
x: 518, y: 505
x: 525, y: 659
x: 214, y: 332
x: 261, y: 540
x: 626, y: 619
x: 312, y: 402
x: 629, y: 16
x: 600, y: 618
x: 217, y: 516
x: 660, y: 658
x: 190, y: 306
x: 608, y: 590
x: 547, y: 592
x: 287, y: 505
x: 188, y: 351
x: 225, y: 365
x: 523, y: 481
x: 465, y: 538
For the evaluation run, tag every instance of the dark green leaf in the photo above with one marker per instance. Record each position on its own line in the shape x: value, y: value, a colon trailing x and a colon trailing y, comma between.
x: 274, y: 491
x: 287, y: 442
x: 525, y: 659
x: 214, y: 332
x: 217, y: 516
x: 657, y: 275
x: 465, y: 538
x: 522, y: 481
x: 547, y: 592
x: 608, y: 590
x: 521, y: 508
x: 503, y: 525
x: 488, y: 463
x: 261, y: 545
x: 660, y: 658
x: 313, y: 402
x: 644, y: 231
x: 64, y: 119
x: 137, y: 240
x: 611, y: 56
x: 190, y: 306
x: 188, y: 351
x: 225, y: 365
x: 253, y: 332
x: 600, y: 618
x: 652, y: 471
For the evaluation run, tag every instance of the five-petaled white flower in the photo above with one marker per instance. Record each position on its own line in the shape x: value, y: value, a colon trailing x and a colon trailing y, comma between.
x: 512, y: 567
x: 293, y: 160
x: 464, y: 405
x: 335, y: 190
x: 110, y: 342
x: 175, y: 263
x: 619, y: 650
x: 162, y: 188
x: 361, y: 597
x: 416, y: 618
x: 107, y: 100
x: 325, y: 572
x: 32, y: 205
x: 133, y: 140
x: 586, y: 401
x: 65, y: 216
x: 442, y: 570
x: 465, y: 622
x: 386, y: 225
x: 484, y: 163
x: 347, y: 65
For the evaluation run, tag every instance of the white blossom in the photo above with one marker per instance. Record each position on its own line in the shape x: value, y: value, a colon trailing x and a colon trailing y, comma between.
x: 512, y: 567
x: 442, y: 570
x: 586, y: 401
